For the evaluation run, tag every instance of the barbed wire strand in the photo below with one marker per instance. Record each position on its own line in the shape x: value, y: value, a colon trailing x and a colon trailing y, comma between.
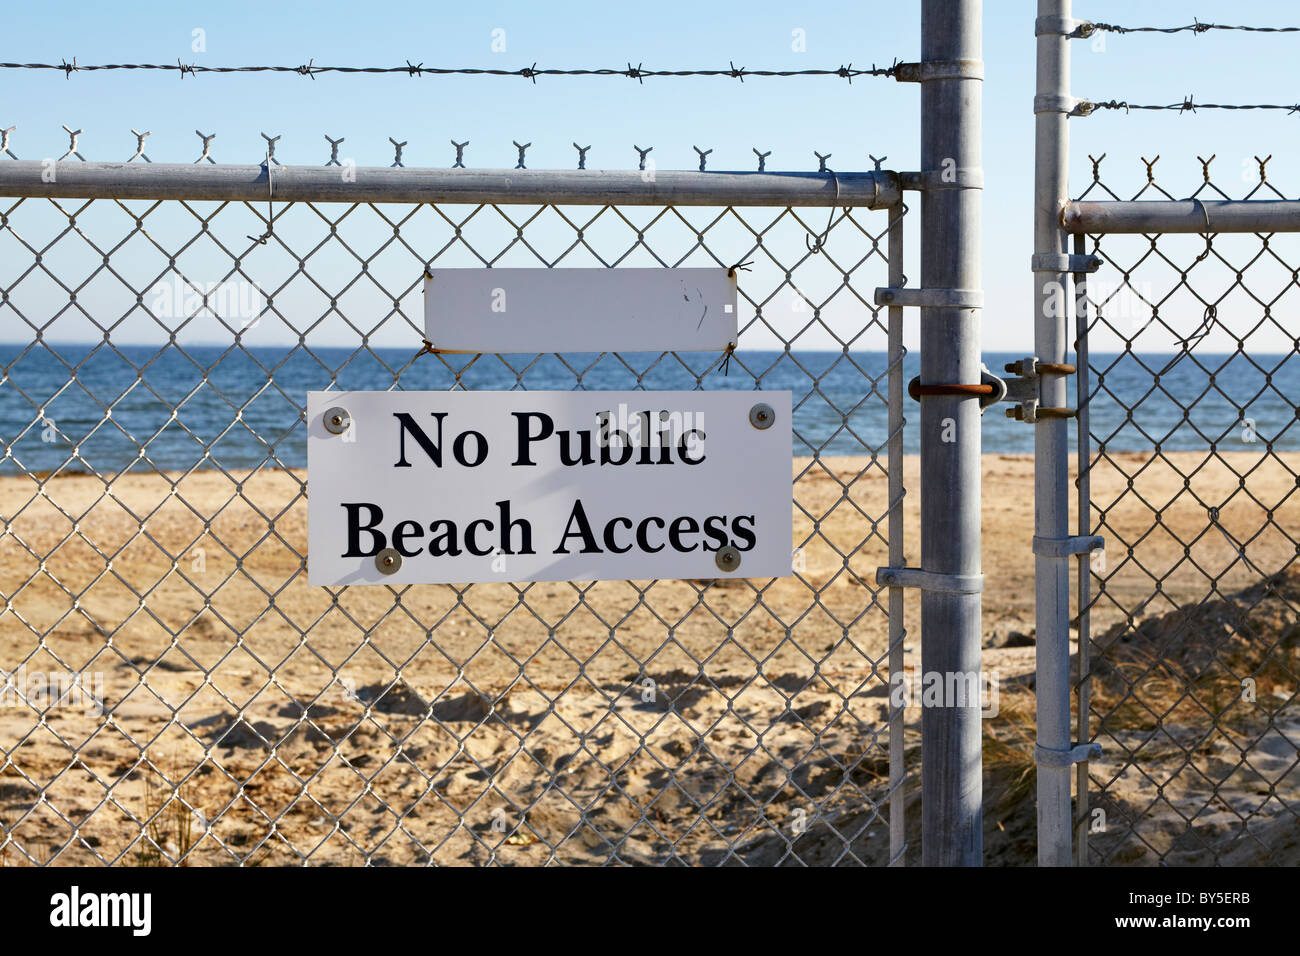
x: 310, y: 69
x: 1194, y: 27
x: 1188, y: 105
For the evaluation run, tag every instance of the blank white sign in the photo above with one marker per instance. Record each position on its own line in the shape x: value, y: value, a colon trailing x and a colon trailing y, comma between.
x: 548, y: 486
x: 580, y: 310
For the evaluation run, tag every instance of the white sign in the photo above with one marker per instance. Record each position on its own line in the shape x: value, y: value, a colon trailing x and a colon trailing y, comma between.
x: 580, y: 310
x: 461, y: 487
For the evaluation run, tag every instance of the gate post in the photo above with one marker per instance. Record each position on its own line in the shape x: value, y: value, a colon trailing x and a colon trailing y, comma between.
x: 1052, y: 303
x: 951, y: 76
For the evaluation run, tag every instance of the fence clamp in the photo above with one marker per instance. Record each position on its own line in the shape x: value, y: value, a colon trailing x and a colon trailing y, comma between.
x: 1023, y: 390
x: 1059, y: 26
x: 931, y: 179
x: 931, y: 298
x: 929, y: 580
x: 1060, y: 262
x: 1064, y: 547
x: 1046, y: 757
x: 1055, y: 103
x: 929, y: 70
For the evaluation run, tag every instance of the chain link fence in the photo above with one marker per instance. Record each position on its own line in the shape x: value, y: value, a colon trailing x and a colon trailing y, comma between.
x: 1190, y: 464
x: 176, y: 694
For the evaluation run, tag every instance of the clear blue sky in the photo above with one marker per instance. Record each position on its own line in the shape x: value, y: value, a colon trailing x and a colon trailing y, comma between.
x: 791, y: 117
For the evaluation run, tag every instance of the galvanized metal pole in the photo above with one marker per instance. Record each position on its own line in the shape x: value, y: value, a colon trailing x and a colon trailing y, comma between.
x: 951, y: 770
x: 1183, y: 216
x: 1083, y: 522
x: 1051, y: 435
x: 408, y: 184
x: 897, y: 556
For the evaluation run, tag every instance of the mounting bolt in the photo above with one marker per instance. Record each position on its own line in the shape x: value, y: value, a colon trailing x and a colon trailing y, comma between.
x: 727, y: 559
x: 760, y: 416
x: 337, y: 420
x: 388, y: 561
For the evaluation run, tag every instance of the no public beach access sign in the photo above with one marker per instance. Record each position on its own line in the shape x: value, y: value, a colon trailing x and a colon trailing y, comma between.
x: 463, y: 487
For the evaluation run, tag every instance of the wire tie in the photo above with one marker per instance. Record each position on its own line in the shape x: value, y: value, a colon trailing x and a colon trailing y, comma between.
x: 1206, y: 214
x: 726, y: 360
x: 816, y: 247
x: 270, y: 227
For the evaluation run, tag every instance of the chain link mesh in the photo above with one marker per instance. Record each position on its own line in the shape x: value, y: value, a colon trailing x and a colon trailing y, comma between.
x: 1189, y: 653
x: 176, y: 692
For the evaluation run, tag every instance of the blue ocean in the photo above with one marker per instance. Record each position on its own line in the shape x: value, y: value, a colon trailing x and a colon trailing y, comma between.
x: 106, y: 410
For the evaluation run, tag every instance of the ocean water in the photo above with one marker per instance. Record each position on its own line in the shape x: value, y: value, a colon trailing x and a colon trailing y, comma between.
x: 78, y: 408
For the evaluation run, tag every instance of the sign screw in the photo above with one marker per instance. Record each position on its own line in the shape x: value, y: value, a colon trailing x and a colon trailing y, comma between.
x: 728, y: 559
x: 388, y: 561
x: 761, y: 416
x: 337, y: 420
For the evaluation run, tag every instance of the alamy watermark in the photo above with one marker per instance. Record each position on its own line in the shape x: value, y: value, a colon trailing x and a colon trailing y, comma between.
x: 43, y: 690
x: 238, y: 303
x: 912, y: 688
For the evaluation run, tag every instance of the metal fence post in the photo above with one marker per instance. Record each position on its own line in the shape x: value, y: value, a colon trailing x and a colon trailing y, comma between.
x: 897, y: 557
x: 951, y: 772
x: 1083, y: 522
x: 1051, y: 435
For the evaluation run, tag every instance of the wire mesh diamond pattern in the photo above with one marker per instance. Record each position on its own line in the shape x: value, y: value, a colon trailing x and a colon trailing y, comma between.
x: 178, y: 694
x: 1189, y: 675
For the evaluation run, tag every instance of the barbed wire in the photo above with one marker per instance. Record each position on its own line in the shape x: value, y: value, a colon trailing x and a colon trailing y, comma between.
x: 310, y: 69
x: 266, y: 151
x: 1188, y: 105
x: 1089, y: 27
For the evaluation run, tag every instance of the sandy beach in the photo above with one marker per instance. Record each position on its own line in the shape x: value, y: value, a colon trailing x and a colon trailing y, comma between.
x: 688, y: 721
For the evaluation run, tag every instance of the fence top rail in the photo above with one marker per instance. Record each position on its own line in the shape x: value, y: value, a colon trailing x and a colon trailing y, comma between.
x: 1185, y: 215
x: 335, y: 183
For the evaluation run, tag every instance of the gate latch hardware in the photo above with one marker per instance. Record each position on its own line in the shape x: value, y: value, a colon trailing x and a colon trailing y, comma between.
x: 1023, y: 390
x: 990, y: 390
